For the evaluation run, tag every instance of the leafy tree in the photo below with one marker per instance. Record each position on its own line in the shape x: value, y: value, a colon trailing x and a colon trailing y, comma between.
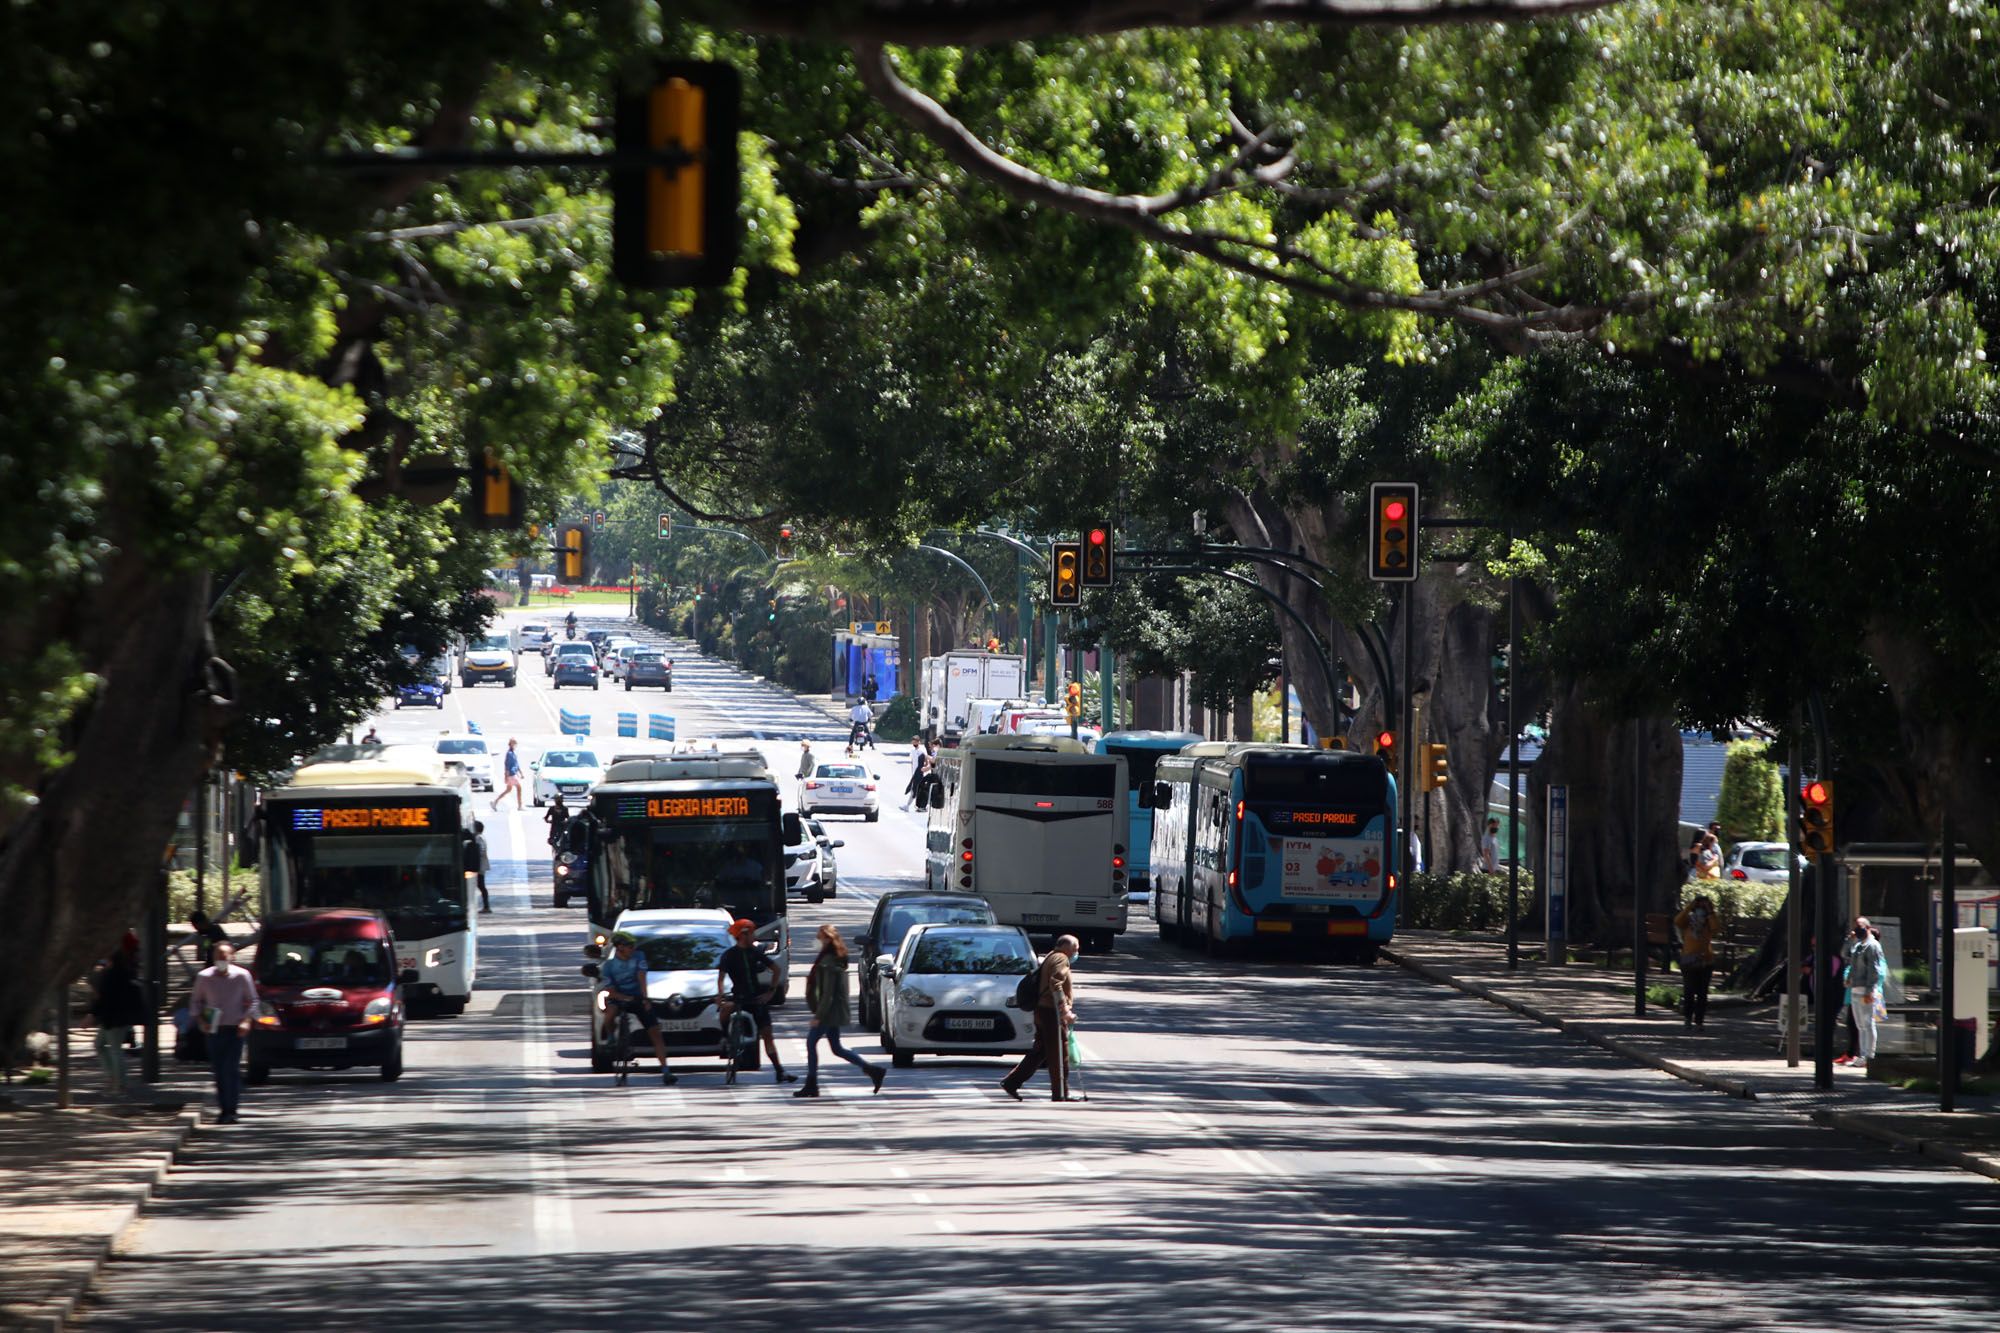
x: 1752, y: 805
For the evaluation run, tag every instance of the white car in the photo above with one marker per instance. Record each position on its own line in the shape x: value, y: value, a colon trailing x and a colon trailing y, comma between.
x: 534, y: 635
x: 469, y: 753
x: 607, y: 653
x: 1758, y: 862
x: 841, y: 786
x: 949, y: 990
x: 569, y: 774
x: 682, y: 948
x: 806, y: 867
x: 829, y: 869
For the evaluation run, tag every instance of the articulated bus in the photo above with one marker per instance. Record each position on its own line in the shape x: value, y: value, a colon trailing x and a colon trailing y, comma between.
x: 388, y: 832
x: 1275, y: 842
x: 1036, y: 825
x: 691, y: 831
x: 1142, y: 752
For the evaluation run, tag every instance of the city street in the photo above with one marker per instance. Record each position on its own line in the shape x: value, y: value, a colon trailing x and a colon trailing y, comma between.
x: 1267, y: 1144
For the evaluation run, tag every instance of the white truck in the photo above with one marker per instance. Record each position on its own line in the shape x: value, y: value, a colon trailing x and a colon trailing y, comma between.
x: 952, y: 680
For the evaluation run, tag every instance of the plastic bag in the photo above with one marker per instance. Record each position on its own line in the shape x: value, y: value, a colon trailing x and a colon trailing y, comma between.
x: 1069, y: 1039
x: 1881, y: 1009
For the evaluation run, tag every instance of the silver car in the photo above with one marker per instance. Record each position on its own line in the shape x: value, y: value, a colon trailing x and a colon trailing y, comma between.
x: 1758, y: 862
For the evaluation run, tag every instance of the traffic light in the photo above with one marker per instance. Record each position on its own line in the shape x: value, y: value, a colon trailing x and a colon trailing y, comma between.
x: 784, y: 543
x: 675, y: 225
x: 597, y: 521
x: 572, y: 551
x: 1065, y: 573
x: 1503, y: 670
x: 1073, y: 701
x: 773, y: 612
x: 1392, y: 531
x: 1097, y: 556
x: 498, y: 502
x: 666, y: 526
x: 1385, y: 749
x: 1816, y: 819
x: 1436, y: 769
x: 1333, y: 742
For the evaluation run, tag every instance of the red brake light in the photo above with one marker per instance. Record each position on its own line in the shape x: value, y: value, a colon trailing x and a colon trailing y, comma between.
x: 1738, y: 873
x: 812, y: 786
x: 868, y: 786
x: 1045, y: 805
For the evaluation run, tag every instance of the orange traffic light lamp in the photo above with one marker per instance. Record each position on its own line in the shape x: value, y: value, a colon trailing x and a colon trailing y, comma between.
x: 1073, y: 701
x: 1066, y: 573
x: 1816, y: 819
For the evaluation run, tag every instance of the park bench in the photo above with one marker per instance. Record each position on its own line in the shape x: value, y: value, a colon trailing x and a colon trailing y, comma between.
x: 1741, y: 937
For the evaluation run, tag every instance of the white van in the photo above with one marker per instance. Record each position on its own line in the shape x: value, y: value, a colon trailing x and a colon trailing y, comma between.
x: 492, y: 655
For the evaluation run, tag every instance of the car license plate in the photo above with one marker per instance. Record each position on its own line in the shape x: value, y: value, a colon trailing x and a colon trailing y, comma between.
x: 969, y: 1024
x: 842, y: 789
x: 322, y: 1043
x: 1038, y: 916
x: 680, y: 1025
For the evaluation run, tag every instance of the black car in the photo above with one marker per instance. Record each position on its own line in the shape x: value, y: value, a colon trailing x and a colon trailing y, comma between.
x: 895, y: 915
x: 649, y: 667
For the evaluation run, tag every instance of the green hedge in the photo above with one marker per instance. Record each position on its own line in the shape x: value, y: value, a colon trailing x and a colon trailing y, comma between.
x: 1465, y: 900
x: 898, y: 721
x: 1737, y: 899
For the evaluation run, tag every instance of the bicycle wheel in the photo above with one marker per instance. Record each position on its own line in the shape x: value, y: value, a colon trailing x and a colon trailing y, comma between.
x: 742, y: 1041
x: 622, y: 1054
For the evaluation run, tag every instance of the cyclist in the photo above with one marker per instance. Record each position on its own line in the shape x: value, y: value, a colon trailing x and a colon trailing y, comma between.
x: 737, y: 984
x: 625, y: 990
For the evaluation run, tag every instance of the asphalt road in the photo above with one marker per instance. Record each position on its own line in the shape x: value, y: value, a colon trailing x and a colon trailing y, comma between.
x: 1268, y: 1145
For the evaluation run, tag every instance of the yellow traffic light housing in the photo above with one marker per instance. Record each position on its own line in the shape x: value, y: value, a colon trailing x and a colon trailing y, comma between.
x: 1066, y: 573
x: 572, y: 553
x: 498, y: 501
x: 1073, y: 701
x: 674, y: 224
x: 1392, y: 531
x: 1436, y: 767
x: 1816, y: 819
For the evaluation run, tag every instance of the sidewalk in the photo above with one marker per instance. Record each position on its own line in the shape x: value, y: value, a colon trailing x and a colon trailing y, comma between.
x: 1735, y: 1053
x: 72, y: 1180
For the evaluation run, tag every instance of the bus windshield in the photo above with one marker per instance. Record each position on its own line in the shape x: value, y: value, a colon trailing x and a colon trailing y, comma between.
x: 730, y: 866
x: 1139, y: 767
x: 1006, y: 777
x: 417, y: 881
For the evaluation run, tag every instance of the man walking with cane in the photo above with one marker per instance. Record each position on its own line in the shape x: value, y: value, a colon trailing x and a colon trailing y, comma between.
x: 1053, y: 1016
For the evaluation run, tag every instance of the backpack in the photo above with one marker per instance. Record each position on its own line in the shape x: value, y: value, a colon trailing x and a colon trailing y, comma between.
x: 1029, y: 992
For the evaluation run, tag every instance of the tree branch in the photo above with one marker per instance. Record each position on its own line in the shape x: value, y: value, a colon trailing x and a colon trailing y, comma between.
x: 990, y: 22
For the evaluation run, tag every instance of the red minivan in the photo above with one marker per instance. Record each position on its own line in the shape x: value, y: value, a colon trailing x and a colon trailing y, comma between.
x: 330, y: 994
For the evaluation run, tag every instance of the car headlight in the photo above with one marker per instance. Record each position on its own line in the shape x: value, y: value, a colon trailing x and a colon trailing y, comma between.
x: 376, y: 1010
x: 916, y: 999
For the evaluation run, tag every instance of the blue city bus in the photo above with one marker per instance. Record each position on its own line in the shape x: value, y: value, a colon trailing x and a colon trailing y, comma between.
x: 1275, y: 843
x: 1142, y: 751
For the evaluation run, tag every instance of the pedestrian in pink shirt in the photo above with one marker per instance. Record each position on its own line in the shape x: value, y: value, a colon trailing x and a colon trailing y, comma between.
x: 223, y: 1001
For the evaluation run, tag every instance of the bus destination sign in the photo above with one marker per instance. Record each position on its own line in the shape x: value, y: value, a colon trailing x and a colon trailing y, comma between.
x: 359, y: 818
x: 1337, y: 819
x: 666, y: 809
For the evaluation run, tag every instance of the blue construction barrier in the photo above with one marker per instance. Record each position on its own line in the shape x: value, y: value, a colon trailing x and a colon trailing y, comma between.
x: 628, y: 724
x: 575, y: 724
x: 659, y: 727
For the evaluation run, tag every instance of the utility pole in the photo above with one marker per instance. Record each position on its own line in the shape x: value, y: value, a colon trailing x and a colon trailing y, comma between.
x: 1513, y: 772
x: 1795, y: 907
x: 1947, y: 969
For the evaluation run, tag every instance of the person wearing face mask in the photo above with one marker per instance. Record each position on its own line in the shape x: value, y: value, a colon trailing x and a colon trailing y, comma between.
x: 1696, y: 924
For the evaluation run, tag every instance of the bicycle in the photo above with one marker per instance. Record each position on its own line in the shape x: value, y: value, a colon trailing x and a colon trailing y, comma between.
x: 739, y: 1044
x: 624, y: 1059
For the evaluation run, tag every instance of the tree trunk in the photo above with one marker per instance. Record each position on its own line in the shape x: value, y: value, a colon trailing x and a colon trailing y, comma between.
x: 1592, y: 753
x: 76, y: 869
x: 1950, y: 763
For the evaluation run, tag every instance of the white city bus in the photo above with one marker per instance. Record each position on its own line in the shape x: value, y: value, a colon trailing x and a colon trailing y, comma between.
x: 1037, y: 826
x: 691, y: 831
x: 387, y: 833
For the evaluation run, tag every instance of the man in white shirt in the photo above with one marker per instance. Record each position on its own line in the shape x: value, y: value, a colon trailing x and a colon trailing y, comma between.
x: 861, y: 717
x: 223, y: 1001
x: 1489, y: 848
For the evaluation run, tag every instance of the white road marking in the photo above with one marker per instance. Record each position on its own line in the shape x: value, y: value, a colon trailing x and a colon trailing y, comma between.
x: 899, y: 1172
x: 921, y: 1197
x: 945, y: 1225
x: 554, y: 1219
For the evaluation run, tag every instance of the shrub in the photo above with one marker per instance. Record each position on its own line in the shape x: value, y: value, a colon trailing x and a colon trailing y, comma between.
x: 898, y: 721
x: 1737, y: 899
x: 1751, y: 806
x: 1464, y: 900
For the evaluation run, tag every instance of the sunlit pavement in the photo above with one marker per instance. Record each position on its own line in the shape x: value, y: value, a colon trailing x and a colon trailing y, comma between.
x: 1268, y: 1144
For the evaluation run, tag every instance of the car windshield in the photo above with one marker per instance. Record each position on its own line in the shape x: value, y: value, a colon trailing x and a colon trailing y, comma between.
x: 648, y: 655
x: 491, y: 643
x: 904, y: 917
x: 580, y: 651
x: 1764, y: 858
x: 842, y: 771
x: 462, y: 747
x: 687, y: 949
x: 363, y: 962
x: 569, y: 759
x: 963, y: 952
x: 533, y: 629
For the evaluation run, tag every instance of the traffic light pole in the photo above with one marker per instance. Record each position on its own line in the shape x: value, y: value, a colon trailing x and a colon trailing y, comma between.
x: 1406, y: 742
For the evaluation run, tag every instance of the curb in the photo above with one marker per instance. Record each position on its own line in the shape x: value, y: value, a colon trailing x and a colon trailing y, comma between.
x: 65, y: 1306
x: 1844, y: 1121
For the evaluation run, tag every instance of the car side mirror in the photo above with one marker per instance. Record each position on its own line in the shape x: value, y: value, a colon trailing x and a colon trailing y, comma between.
x: 838, y: 842
x: 591, y: 970
x: 885, y: 962
x: 407, y: 977
x: 1163, y: 796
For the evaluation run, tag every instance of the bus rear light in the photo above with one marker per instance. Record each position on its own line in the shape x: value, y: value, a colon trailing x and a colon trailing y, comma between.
x: 1045, y: 805
x: 1232, y: 879
x: 1118, y: 849
x: 1392, y: 881
x: 1117, y: 863
x: 1239, y: 809
x: 967, y: 844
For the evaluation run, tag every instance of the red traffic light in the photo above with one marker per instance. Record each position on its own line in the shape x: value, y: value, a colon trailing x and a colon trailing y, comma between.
x: 1815, y: 793
x: 785, y: 532
x: 1385, y: 740
x: 1394, y: 511
x: 1097, y: 536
